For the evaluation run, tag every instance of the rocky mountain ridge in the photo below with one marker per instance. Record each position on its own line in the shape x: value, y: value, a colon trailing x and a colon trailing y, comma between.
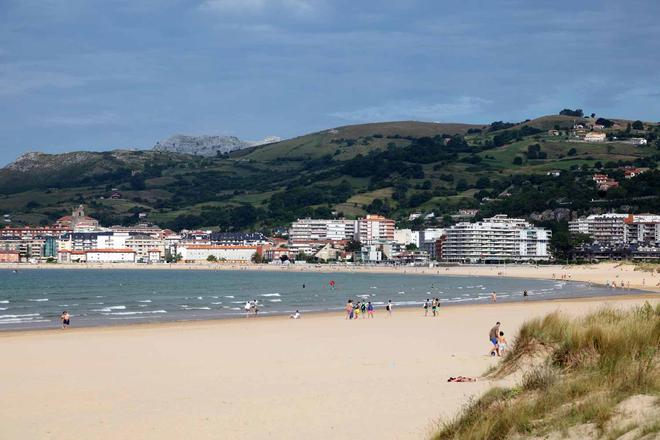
x: 206, y: 145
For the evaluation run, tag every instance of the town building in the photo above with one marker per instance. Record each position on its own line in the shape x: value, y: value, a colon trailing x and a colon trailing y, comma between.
x: 78, y: 221
x: 197, y: 253
x: 638, y: 141
x: 320, y: 231
x: 7, y: 256
x: 602, y: 228
x: 404, y: 237
x: 375, y: 229
x: 594, y: 136
x: 496, y: 239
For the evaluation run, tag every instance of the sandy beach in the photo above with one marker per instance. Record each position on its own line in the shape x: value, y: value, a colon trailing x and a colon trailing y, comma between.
x: 318, y: 377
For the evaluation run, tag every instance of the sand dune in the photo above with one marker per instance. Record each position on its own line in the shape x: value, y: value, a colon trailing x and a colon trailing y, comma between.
x: 319, y: 377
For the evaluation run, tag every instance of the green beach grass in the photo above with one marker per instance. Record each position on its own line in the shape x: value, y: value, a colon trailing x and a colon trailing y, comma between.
x: 581, y: 375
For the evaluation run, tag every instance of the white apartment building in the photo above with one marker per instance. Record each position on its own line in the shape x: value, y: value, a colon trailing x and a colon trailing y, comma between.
x: 305, y: 231
x: 603, y: 228
x: 404, y: 237
x: 643, y: 228
x: 196, y: 253
x: 496, y: 239
x: 375, y: 229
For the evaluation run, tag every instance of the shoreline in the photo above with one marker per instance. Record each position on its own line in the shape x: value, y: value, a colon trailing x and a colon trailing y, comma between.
x: 339, y: 314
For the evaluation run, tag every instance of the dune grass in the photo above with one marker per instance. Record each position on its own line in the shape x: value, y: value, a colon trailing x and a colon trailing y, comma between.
x: 584, y: 367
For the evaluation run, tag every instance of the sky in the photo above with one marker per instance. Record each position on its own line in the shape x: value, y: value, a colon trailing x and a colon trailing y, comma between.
x: 97, y: 75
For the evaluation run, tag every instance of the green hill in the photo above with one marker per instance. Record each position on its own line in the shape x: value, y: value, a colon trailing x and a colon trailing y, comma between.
x: 392, y: 168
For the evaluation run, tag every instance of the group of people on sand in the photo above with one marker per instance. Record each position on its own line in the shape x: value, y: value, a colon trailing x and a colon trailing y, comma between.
x: 251, y: 308
x: 433, y: 305
x: 498, y: 341
x: 365, y: 308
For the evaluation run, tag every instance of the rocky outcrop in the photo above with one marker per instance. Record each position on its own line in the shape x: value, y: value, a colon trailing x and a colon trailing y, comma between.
x: 207, y: 145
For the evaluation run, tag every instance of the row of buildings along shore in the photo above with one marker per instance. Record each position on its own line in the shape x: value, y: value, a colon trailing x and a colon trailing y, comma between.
x: 79, y: 238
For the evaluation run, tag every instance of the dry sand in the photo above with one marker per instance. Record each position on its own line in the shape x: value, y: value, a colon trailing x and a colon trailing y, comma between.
x: 319, y: 377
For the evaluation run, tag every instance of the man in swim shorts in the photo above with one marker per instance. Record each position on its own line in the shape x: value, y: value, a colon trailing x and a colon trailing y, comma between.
x: 493, y: 336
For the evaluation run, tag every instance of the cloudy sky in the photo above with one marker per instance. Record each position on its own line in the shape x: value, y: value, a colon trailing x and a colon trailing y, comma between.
x: 92, y: 74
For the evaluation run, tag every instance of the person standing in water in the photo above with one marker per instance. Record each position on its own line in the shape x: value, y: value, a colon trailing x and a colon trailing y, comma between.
x: 426, y: 307
x: 66, y: 319
x: 493, y: 297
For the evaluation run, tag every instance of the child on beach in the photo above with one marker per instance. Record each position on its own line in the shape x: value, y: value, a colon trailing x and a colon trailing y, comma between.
x: 501, y: 343
x: 363, y: 310
x: 357, y: 310
x: 426, y: 307
x: 370, y: 309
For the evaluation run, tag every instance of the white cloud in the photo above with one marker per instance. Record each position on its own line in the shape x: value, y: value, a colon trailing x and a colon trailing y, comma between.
x: 415, y: 110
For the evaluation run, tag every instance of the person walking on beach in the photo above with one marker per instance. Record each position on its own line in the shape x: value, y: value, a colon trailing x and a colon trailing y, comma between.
x: 370, y: 309
x: 388, y: 307
x: 357, y: 310
x: 66, y: 319
x: 426, y: 307
x: 349, y: 309
x: 363, y: 310
x: 493, y: 336
x: 434, y: 306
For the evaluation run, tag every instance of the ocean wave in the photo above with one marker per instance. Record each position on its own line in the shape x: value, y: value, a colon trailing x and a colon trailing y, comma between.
x: 275, y: 300
x: 38, y: 299
x: 4, y: 301
x: 146, y: 312
x: 4, y: 308
x: 217, y: 302
x: 270, y: 294
x: 109, y: 309
x: 197, y: 308
x: 144, y: 301
x: 22, y: 321
x: 229, y: 296
x: 19, y: 316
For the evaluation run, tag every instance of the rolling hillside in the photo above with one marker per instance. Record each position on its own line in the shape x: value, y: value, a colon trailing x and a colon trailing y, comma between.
x: 391, y: 168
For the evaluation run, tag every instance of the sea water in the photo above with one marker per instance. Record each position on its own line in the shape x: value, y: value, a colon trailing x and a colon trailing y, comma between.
x: 35, y: 298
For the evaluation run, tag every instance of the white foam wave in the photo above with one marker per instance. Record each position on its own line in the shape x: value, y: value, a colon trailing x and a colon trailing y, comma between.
x: 146, y: 312
x: 229, y: 296
x: 270, y: 294
x: 38, y: 299
x: 145, y: 301
x: 275, y: 300
x: 4, y: 301
x: 19, y: 316
x: 109, y: 309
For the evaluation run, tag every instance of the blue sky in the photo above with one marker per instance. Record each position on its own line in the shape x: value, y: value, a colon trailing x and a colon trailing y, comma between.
x: 88, y: 74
